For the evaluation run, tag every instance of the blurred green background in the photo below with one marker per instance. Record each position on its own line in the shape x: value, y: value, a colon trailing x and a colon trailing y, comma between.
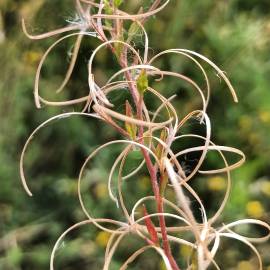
x: 233, y: 33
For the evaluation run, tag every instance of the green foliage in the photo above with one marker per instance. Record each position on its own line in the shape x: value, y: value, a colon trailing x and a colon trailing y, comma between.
x: 118, y: 3
x: 142, y: 82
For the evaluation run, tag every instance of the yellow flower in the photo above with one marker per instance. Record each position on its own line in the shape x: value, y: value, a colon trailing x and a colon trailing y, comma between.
x: 245, y: 265
x: 102, y: 238
x: 255, y: 209
x: 245, y: 122
x: 144, y: 183
x: 216, y: 183
x: 265, y: 188
x: 185, y: 251
x: 32, y: 57
x: 265, y: 117
x: 254, y: 138
x: 188, y: 254
x: 101, y: 190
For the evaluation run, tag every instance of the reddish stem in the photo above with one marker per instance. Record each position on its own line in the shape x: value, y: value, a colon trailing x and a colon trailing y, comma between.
x: 160, y: 209
x: 138, y: 100
x: 159, y: 202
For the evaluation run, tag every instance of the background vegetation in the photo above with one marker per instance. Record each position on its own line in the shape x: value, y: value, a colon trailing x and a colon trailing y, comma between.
x: 234, y: 33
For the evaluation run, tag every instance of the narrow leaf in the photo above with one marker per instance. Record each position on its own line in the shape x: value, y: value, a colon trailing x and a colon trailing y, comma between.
x: 119, y: 47
x: 142, y: 82
x: 133, y: 30
x: 159, y: 149
x: 163, y: 182
x: 117, y: 3
x: 109, y: 11
x: 130, y: 128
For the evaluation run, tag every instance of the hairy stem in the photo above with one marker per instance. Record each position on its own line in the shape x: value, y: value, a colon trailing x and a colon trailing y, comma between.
x: 138, y: 100
x: 159, y: 203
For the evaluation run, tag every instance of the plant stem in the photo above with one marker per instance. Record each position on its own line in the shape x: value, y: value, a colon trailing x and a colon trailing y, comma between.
x: 138, y: 100
x: 159, y: 202
x: 152, y: 171
x: 160, y: 209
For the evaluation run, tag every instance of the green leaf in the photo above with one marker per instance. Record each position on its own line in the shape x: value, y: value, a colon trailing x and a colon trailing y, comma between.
x: 15, y: 255
x: 133, y: 30
x: 118, y: 46
x: 108, y: 8
x: 159, y: 149
x: 142, y: 82
x: 130, y: 128
x: 109, y: 11
x: 117, y: 3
